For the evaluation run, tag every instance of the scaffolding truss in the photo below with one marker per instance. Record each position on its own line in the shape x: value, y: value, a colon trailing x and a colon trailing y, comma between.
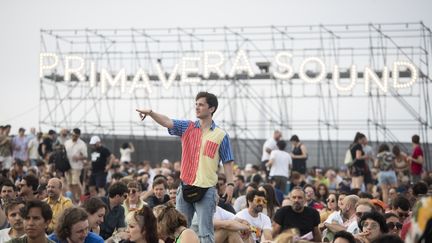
x: 250, y: 108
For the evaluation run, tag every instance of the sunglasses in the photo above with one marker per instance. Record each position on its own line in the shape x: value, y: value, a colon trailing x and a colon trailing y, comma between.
x: 359, y: 214
x: 331, y: 200
x: 259, y: 201
x: 392, y: 225
x: 132, y: 191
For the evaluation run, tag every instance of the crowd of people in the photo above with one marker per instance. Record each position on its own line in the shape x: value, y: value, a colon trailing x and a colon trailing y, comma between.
x: 55, y: 187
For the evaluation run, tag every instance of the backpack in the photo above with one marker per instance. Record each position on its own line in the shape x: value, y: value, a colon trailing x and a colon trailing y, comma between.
x: 348, y: 158
x: 59, y: 159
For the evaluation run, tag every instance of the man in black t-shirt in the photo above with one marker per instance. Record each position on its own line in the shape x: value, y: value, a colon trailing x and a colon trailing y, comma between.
x: 305, y: 219
x: 100, y: 158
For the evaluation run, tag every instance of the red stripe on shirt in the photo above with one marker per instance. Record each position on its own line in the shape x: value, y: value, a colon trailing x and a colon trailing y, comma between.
x: 191, y: 143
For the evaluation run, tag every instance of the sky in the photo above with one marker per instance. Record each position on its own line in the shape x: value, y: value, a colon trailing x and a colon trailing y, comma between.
x: 21, y: 21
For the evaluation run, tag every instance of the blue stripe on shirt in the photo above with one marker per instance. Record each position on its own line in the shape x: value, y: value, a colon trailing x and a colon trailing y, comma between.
x: 225, y: 151
x: 179, y: 127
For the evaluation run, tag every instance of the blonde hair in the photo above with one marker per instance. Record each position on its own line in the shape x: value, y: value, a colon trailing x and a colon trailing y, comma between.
x: 288, y: 236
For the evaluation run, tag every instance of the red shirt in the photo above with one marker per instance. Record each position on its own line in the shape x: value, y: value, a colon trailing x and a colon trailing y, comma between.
x: 416, y: 168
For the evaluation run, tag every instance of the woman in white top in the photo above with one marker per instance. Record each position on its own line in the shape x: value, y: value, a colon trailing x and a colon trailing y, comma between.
x: 125, y: 152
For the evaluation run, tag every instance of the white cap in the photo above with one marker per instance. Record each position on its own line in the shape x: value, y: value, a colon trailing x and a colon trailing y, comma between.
x: 94, y: 140
x: 248, y: 167
x: 165, y: 161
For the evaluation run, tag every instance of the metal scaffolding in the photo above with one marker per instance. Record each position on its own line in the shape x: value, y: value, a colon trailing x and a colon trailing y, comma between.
x: 250, y: 108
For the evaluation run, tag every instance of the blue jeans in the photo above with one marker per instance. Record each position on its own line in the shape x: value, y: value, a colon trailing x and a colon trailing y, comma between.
x: 387, y: 178
x: 204, y: 209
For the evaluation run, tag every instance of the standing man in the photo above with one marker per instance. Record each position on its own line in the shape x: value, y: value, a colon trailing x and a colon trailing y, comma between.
x: 203, y: 145
x: 32, y: 148
x: 416, y: 159
x: 280, y: 164
x: 100, y: 157
x: 76, y: 151
x: 56, y: 201
x: 19, y: 145
x: 47, y: 146
x: 5, y: 148
x: 268, y: 146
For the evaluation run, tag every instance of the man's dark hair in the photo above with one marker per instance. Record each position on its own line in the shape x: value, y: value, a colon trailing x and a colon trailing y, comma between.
x: 281, y: 144
x: 51, y: 132
x: 345, y: 235
x: 45, y: 209
x: 377, y: 217
x: 77, y: 131
x: 241, y: 178
x: 125, y: 145
x: 7, y: 183
x: 159, y: 176
x: 32, y: 181
x: 415, y: 139
x: 118, y: 188
x: 67, y: 219
x: 294, y: 138
x: 251, y: 195
x: 11, y: 204
x: 402, y: 203
x: 211, y: 99
x: 93, y: 204
x: 420, y: 188
x: 388, y: 238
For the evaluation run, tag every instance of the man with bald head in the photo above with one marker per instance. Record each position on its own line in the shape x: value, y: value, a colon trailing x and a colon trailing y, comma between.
x: 348, y: 213
x: 56, y: 201
x: 297, y: 215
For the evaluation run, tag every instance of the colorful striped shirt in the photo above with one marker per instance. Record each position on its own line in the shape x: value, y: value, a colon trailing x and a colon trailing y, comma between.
x: 201, y: 152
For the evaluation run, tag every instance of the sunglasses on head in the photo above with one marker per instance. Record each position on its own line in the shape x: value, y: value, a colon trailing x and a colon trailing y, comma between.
x: 392, y: 225
x: 260, y: 201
